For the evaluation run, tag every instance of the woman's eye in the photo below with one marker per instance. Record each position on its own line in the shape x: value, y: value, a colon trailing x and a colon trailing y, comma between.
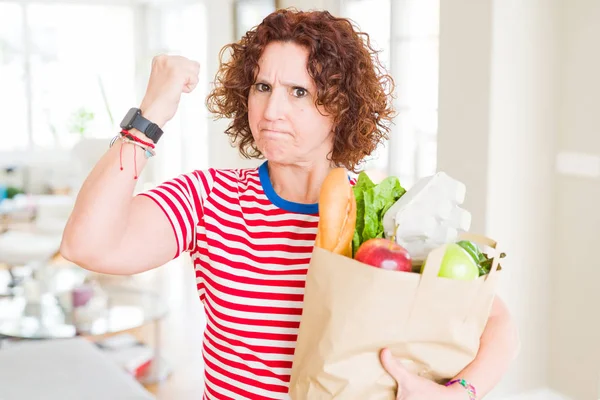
x: 262, y: 87
x: 299, y: 92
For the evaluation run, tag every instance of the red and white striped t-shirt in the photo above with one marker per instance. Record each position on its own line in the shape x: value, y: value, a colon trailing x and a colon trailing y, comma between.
x: 251, y: 250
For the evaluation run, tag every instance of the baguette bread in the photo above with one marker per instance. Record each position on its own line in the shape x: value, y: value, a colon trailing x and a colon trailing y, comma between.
x: 337, y: 214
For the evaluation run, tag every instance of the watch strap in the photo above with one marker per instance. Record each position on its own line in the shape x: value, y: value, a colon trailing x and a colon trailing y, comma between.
x: 135, y: 119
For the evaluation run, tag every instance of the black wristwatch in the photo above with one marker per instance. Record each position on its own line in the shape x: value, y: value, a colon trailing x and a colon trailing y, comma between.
x: 134, y: 119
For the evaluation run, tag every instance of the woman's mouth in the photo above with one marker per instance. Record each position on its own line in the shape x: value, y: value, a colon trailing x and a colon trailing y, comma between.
x: 270, y: 132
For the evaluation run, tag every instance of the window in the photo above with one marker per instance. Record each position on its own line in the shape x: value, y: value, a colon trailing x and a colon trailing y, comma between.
x: 71, y: 71
x: 409, y: 44
x: 66, y: 72
x: 13, y: 91
x: 180, y: 29
x: 249, y: 13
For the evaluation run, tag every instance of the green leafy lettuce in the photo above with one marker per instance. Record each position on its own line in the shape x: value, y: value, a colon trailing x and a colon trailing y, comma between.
x: 372, y: 202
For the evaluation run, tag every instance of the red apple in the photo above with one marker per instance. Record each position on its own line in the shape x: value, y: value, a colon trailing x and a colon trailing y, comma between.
x: 384, y: 254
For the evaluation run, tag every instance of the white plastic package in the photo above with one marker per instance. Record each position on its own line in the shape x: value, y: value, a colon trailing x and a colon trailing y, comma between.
x: 428, y: 215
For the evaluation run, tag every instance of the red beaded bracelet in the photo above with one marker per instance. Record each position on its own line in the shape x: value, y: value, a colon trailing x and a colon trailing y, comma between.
x: 129, y: 135
x: 470, y: 388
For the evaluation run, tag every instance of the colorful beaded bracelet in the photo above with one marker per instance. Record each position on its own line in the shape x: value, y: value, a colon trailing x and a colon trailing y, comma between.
x: 470, y: 388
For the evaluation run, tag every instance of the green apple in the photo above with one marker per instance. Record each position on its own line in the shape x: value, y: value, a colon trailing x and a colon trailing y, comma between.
x: 457, y: 263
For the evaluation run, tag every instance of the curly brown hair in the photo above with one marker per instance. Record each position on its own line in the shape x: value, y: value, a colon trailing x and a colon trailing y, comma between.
x: 352, y: 85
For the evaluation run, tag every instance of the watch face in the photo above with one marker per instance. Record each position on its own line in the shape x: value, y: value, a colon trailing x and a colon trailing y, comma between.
x: 127, y: 122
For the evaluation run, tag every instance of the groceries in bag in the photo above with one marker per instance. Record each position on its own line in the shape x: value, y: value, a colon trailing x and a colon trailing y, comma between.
x: 337, y: 214
x: 356, y: 302
x: 394, y: 228
x: 385, y: 254
x: 372, y: 203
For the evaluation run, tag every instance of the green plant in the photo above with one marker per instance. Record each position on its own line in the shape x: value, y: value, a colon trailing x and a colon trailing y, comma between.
x: 12, y: 191
x: 79, y: 121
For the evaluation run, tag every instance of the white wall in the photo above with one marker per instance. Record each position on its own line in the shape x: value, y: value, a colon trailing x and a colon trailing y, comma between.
x: 333, y: 6
x: 575, y: 362
x: 497, y: 131
x: 221, y: 30
x: 464, y: 97
x: 524, y: 113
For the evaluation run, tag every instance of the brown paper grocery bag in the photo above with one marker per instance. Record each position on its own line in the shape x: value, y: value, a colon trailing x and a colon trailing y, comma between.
x: 353, y: 310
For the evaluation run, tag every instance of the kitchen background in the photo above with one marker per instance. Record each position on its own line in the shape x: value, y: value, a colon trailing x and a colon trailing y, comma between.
x: 500, y: 94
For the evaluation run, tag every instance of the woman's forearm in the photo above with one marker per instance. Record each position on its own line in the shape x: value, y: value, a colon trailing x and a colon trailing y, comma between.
x: 499, y: 347
x: 105, y: 231
x: 102, y: 206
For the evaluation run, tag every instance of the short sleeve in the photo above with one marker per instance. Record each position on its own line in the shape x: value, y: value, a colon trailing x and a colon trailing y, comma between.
x: 182, y: 200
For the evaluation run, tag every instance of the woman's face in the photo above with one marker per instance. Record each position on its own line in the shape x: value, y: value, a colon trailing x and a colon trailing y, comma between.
x: 285, y: 123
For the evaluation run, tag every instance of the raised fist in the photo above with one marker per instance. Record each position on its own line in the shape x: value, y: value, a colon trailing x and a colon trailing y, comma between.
x: 170, y: 77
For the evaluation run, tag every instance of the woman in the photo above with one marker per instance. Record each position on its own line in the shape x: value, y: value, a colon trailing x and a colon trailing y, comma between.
x: 305, y: 92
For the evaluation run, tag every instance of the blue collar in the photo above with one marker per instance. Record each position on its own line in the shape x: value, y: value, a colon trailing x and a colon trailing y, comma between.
x: 299, y: 208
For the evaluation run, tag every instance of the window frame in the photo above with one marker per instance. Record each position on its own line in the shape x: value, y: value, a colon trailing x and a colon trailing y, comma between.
x: 398, y: 137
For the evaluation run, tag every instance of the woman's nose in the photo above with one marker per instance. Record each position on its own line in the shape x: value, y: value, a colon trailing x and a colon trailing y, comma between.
x: 275, y: 106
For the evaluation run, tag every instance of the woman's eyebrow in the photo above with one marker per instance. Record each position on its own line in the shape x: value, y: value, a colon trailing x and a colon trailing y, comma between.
x: 285, y: 83
x: 295, y: 84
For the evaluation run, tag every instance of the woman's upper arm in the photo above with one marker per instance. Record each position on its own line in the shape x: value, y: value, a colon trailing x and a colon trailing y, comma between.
x: 149, y: 239
x: 162, y: 225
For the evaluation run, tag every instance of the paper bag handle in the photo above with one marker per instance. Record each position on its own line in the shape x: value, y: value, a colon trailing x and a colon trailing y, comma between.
x: 433, y: 262
x: 474, y: 237
x: 486, y: 241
